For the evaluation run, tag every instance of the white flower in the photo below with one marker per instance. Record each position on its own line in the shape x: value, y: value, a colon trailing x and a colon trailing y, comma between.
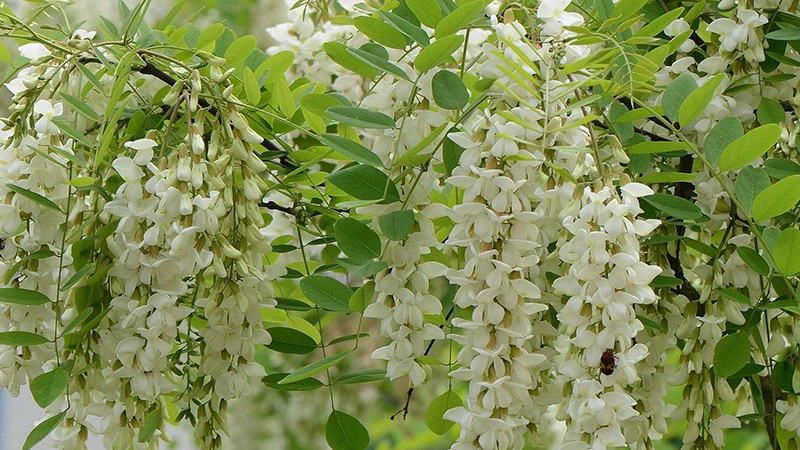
x: 741, y: 35
x: 47, y: 110
x: 555, y: 17
x: 33, y: 51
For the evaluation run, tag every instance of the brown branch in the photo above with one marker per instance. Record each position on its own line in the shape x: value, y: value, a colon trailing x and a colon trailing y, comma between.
x: 768, y: 396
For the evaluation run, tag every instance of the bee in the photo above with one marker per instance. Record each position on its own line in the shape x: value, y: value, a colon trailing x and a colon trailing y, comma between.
x: 608, y: 362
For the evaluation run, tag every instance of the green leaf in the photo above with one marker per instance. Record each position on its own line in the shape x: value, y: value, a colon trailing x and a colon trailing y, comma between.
x: 80, y: 106
x: 786, y: 34
x: 666, y: 177
x: 777, y: 199
x: 723, y: 134
x: 82, y: 317
x: 277, y: 65
x: 781, y: 168
x: 362, y: 297
x: 428, y: 12
x: 753, y: 260
x: 749, y: 182
x: 434, y: 416
x: 327, y: 292
x: 338, y: 53
x: 677, y: 207
x: 407, y: 28
x: 397, y: 224
x: 34, y: 197
x: 733, y: 295
x: 306, y: 384
x: 314, y: 368
x: 152, y: 420
x: 658, y: 25
x: 318, y: 103
x: 749, y: 147
x: 731, y: 354
x: 362, y: 376
x: 676, y: 93
x: 460, y: 18
x: 240, y: 49
x: 770, y: 111
x: 21, y: 338
x: 19, y: 296
x: 663, y: 281
x: 72, y: 132
x: 91, y: 77
x: 345, y: 432
x: 42, y: 430
x: 787, y: 252
x: 649, y: 323
x: 359, y: 117
x: 357, y: 240
x: 377, y: 62
x: 438, y: 52
x: 289, y: 340
x: 353, y: 150
x: 47, y: 387
x: 252, y: 90
x: 696, y: 102
x: 365, y: 183
x: 380, y: 32
x: 650, y: 147
x: 449, y: 91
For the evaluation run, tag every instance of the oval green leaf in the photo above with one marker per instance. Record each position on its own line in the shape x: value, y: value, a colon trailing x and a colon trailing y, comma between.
x: 747, y: 148
x: 338, y: 53
x: 47, y: 387
x: 42, y: 430
x: 21, y: 338
x: 696, y: 102
x: 314, y: 368
x: 306, y: 384
x: 787, y: 252
x: 357, y: 240
x: 397, y: 224
x: 777, y: 199
x: 749, y: 183
x: 651, y: 147
x: 19, y: 296
x: 362, y: 376
x: 677, y: 207
x: 365, y: 183
x: 359, y: 117
x: 724, y: 132
x: 407, y: 28
x: 353, y: 150
x: 731, y: 354
x: 434, y: 416
x: 428, y: 12
x: 289, y: 340
x: 345, y: 432
x: 460, y: 18
x: 437, y: 52
x: 362, y: 297
x: 377, y: 62
x: 380, y: 32
x: 449, y: 91
x: 327, y: 292
x: 34, y: 197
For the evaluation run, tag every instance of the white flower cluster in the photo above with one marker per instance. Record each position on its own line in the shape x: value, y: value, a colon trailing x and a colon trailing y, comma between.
x: 169, y: 268
x: 604, y: 280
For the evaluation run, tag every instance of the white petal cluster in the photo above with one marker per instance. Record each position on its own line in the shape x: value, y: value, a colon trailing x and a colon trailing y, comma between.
x: 604, y: 280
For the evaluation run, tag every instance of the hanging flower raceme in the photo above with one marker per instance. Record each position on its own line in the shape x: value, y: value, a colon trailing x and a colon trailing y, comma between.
x: 149, y: 266
x: 604, y: 280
